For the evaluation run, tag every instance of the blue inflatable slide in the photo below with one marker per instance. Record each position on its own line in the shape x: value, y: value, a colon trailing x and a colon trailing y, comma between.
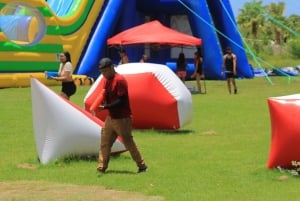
x: 211, y: 20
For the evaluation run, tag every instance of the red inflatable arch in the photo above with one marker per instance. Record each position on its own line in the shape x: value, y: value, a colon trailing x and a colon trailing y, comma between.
x: 285, y: 130
x: 158, y: 99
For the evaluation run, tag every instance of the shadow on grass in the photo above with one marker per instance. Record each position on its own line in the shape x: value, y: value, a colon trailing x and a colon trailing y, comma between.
x: 181, y: 132
x: 85, y: 158
x: 75, y: 158
x: 175, y: 132
x: 118, y: 172
x: 124, y: 172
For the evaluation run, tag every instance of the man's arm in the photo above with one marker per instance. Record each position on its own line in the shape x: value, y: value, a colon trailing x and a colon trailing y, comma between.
x: 116, y: 103
x: 234, y: 64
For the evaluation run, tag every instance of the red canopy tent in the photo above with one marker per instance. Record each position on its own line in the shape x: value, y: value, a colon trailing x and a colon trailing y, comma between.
x: 153, y: 33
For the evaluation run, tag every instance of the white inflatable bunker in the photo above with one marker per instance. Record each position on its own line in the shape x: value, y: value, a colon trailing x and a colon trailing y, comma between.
x: 158, y: 98
x: 61, y: 128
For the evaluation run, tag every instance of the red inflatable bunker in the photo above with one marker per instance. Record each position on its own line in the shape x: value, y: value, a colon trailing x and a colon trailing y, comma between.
x: 285, y: 129
x: 158, y: 99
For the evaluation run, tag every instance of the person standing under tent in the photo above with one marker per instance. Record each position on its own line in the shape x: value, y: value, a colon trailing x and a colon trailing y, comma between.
x: 144, y: 58
x: 181, y: 66
x: 118, y: 122
x: 124, y: 57
x: 229, y: 65
x: 198, y: 72
x: 65, y: 73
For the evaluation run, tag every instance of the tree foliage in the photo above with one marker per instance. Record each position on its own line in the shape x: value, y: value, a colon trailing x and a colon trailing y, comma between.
x: 294, y: 48
x: 267, y: 30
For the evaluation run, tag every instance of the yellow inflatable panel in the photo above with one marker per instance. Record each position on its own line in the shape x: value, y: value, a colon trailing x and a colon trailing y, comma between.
x: 23, y: 79
x: 29, y: 56
x: 8, y: 80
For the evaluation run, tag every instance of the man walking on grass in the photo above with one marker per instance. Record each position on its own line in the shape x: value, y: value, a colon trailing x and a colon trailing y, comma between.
x: 229, y: 64
x: 118, y: 122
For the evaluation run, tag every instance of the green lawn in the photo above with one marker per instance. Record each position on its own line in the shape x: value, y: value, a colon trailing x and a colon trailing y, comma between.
x: 220, y: 156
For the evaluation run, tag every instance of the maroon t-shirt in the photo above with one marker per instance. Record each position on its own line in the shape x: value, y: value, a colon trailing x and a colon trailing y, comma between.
x: 116, y: 88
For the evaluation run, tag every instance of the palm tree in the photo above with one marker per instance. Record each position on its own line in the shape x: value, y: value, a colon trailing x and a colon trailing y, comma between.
x: 293, y: 22
x: 251, y: 22
x: 250, y: 19
x: 275, y: 15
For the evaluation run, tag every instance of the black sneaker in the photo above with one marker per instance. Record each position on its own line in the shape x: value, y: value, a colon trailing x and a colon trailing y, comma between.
x: 235, y: 91
x: 144, y: 169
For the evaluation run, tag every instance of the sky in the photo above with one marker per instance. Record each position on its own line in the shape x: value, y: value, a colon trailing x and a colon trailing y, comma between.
x: 292, y: 6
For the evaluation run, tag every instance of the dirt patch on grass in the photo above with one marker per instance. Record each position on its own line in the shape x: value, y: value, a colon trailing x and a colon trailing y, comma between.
x: 48, y: 191
x: 27, y: 166
x: 209, y: 132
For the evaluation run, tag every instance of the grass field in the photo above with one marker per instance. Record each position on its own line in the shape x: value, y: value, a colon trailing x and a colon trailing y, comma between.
x: 220, y: 156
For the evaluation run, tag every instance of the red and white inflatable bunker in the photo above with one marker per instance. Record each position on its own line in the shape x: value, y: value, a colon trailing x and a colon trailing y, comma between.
x: 285, y: 128
x: 158, y: 98
x: 62, y: 128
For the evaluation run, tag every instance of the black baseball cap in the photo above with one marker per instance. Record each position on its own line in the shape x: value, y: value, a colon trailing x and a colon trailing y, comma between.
x: 105, y: 63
